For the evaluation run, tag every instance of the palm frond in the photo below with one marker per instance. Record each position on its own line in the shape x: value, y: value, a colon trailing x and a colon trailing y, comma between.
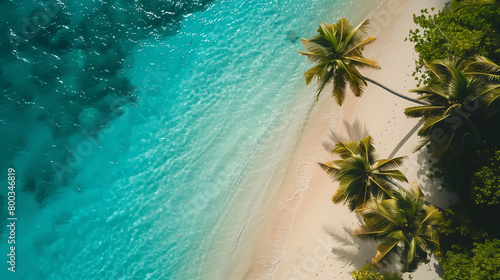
x: 431, y: 240
x: 346, y: 149
x: 357, y: 85
x: 359, y: 32
x: 397, y: 235
x: 330, y: 169
x: 489, y: 89
x: 376, y: 216
x: 422, y: 111
x: 363, y: 62
x: 367, y: 150
x: 393, y: 174
x: 329, y: 36
x: 353, y: 77
x: 339, y: 195
x: 483, y: 67
x: 432, y: 216
x: 385, y: 164
x: 339, y: 85
x: 441, y: 146
x: 324, y: 79
x: 421, y: 243
x: 472, y: 126
x: 343, y: 28
x: 365, y: 233
x: 432, y: 67
x: 429, y: 123
x: 385, y: 253
x: 416, y: 192
x: 315, y: 52
x: 411, y: 252
x: 383, y: 187
x: 358, y: 47
x: 491, y: 103
x: 316, y: 71
x: 423, y: 142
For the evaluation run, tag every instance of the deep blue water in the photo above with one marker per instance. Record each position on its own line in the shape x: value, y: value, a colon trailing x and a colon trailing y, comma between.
x: 132, y: 124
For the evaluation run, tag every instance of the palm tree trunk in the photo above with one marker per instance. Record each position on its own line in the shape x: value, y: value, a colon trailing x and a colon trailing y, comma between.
x: 393, y: 92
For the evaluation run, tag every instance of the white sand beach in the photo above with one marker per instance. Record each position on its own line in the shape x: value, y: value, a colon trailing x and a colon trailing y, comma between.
x: 317, y: 244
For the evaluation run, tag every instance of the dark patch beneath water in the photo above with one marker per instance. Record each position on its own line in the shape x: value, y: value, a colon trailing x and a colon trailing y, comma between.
x: 61, y: 78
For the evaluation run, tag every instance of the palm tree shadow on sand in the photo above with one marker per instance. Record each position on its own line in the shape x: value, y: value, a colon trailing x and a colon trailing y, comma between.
x: 354, y: 131
x: 421, y: 163
x: 352, y: 251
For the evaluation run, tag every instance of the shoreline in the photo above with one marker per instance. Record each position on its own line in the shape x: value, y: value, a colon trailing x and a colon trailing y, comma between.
x: 268, y: 194
x: 317, y: 245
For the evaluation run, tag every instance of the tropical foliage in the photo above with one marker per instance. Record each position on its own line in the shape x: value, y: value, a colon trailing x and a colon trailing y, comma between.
x: 361, y: 176
x: 482, y: 264
x: 370, y: 272
x: 478, y: 181
x: 337, y: 52
x: 459, y: 31
x: 453, y: 93
x: 461, y: 5
x: 486, y: 181
x: 404, y: 225
x: 467, y: 30
x: 488, y: 72
x: 476, y: 216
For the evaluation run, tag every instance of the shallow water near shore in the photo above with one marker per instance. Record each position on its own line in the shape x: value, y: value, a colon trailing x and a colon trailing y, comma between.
x: 132, y: 136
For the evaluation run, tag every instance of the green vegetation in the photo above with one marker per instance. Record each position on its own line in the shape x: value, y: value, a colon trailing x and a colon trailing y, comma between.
x: 481, y: 264
x: 399, y: 219
x: 455, y: 93
x: 404, y: 225
x: 477, y: 216
x: 360, y: 174
x: 486, y: 181
x: 337, y: 51
x: 466, y: 32
x: 461, y: 31
x: 370, y: 272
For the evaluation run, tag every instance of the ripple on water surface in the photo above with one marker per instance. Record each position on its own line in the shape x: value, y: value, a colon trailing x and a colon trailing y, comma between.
x: 197, y: 101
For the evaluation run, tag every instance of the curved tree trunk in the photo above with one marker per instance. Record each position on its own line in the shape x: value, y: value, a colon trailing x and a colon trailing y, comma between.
x: 393, y: 92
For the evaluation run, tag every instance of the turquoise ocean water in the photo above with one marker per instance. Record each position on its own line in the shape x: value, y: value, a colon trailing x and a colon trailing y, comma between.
x: 136, y: 128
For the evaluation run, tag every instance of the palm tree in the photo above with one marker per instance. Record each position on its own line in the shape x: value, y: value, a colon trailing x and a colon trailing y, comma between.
x: 361, y: 176
x: 337, y: 52
x: 489, y: 72
x: 453, y: 94
x: 404, y: 225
